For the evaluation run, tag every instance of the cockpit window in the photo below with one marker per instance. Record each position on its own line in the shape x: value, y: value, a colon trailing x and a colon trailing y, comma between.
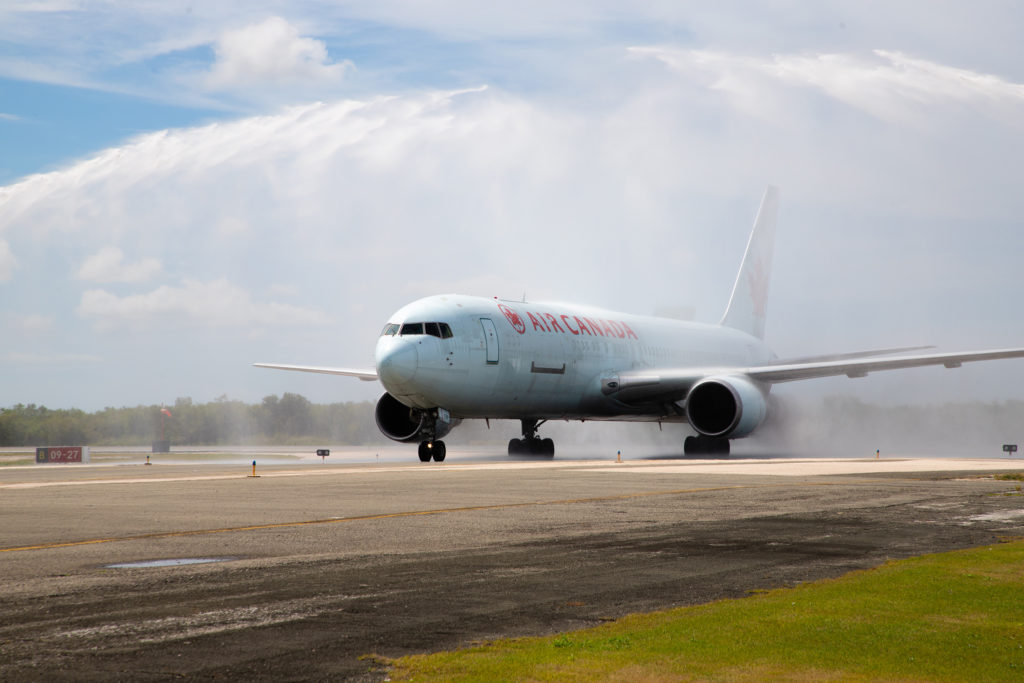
x: 390, y: 330
x: 441, y: 330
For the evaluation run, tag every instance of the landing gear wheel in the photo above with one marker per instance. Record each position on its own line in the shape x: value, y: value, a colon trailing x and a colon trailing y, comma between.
x: 439, y: 451
x: 432, y: 449
x: 705, y: 445
x: 531, y: 444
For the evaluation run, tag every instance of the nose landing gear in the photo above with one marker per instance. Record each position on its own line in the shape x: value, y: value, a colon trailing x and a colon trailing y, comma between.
x: 432, y: 449
x: 531, y: 444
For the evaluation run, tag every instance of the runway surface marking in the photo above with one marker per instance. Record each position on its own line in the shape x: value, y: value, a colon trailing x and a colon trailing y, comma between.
x: 787, y: 467
x: 394, y: 515
x: 799, y: 468
x: 342, y: 470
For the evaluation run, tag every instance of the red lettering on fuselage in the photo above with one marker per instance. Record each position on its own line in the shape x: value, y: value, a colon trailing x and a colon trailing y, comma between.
x: 554, y: 323
x: 546, y: 322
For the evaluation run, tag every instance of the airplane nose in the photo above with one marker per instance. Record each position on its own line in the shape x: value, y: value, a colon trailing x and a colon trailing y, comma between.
x: 397, y: 363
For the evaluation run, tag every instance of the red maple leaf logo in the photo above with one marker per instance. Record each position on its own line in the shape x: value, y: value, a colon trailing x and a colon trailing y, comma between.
x: 513, y: 318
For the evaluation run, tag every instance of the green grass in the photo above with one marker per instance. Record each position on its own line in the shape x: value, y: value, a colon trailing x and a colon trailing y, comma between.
x: 1015, y: 476
x: 951, y: 617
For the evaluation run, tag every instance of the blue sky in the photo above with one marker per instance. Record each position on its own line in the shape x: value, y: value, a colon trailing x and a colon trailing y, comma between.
x: 186, y: 189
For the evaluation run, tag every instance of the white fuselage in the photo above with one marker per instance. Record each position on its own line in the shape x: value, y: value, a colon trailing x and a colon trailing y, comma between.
x: 506, y: 359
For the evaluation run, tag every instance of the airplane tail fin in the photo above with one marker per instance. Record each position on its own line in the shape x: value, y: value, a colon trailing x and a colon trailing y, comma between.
x: 749, y: 301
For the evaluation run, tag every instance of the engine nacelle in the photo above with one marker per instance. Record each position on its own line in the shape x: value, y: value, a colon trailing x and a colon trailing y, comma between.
x: 398, y: 421
x: 728, y: 407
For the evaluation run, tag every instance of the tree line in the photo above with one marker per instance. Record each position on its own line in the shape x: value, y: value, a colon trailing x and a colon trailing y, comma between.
x: 832, y: 425
x: 288, y: 419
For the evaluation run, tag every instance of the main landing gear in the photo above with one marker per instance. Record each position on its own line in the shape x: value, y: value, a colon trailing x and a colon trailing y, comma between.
x: 705, y: 445
x: 531, y: 444
x: 432, y: 449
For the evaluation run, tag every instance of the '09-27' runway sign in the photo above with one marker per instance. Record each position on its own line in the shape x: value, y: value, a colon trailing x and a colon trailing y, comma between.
x: 62, y: 454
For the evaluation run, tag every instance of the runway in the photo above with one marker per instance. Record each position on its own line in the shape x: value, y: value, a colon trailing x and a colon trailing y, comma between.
x: 312, y: 565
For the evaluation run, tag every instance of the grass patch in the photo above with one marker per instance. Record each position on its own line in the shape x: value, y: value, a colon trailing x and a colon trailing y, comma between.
x: 1013, y: 476
x: 950, y: 617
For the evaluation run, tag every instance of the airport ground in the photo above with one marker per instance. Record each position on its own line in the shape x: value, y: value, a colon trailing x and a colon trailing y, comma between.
x: 321, y: 564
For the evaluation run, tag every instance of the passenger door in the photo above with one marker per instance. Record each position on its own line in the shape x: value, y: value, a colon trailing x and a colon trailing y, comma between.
x: 490, y: 340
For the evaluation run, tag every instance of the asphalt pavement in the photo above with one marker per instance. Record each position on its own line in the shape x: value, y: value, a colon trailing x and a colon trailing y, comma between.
x: 200, y: 569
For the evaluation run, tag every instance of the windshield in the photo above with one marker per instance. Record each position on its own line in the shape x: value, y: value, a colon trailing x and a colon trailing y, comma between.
x: 440, y: 330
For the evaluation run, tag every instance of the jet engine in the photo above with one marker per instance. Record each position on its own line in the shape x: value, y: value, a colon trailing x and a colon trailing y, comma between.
x: 727, y: 407
x: 398, y: 421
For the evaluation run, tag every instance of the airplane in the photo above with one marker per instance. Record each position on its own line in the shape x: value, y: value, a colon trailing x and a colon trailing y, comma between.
x: 444, y: 359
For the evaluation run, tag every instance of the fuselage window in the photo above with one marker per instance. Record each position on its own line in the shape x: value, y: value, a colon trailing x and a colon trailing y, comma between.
x: 390, y: 330
x: 412, y: 328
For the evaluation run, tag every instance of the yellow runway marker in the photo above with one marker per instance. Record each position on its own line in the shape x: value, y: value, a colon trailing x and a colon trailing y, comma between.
x: 390, y: 515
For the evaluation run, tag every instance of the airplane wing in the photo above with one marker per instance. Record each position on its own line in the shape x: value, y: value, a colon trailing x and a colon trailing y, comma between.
x: 640, y: 386
x: 850, y: 356
x: 365, y: 375
x: 861, y: 367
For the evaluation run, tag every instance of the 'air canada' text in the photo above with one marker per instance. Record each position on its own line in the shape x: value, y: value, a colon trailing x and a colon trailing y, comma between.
x: 566, y: 324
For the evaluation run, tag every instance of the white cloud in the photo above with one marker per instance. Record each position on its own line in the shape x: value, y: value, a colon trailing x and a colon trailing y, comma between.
x: 531, y: 43
x: 36, y: 324
x: 7, y: 261
x: 232, y: 226
x: 215, y: 304
x: 107, y: 265
x: 333, y: 195
x: 284, y: 290
x: 581, y: 176
x: 271, y: 53
x: 632, y: 202
x: 892, y: 86
x: 9, y: 117
x: 51, y: 358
